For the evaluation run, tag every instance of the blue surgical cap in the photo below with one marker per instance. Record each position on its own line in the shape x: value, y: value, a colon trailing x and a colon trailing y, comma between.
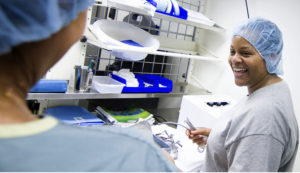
x: 266, y: 37
x: 32, y: 20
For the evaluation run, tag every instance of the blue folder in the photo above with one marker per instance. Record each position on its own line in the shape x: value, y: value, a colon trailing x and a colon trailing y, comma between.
x: 50, y: 86
x: 75, y: 115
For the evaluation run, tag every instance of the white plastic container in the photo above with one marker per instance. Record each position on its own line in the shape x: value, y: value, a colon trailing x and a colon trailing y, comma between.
x: 105, y: 84
x: 111, y: 33
x: 195, y: 108
x: 137, y: 6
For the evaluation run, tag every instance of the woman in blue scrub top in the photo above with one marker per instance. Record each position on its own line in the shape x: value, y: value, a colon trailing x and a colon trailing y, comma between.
x: 34, y: 35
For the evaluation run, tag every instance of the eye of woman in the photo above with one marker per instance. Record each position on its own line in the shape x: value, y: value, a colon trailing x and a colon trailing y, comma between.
x: 245, y: 53
x: 232, y: 52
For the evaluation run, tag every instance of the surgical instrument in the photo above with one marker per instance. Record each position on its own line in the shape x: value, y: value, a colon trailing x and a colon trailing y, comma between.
x: 191, y: 127
x: 201, y: 147
x: 172, y: 123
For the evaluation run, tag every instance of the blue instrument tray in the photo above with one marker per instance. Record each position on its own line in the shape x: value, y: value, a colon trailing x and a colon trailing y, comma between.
x: 157, y: 84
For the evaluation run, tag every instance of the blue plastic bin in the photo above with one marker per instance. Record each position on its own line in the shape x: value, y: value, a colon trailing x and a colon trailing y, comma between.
x: 153, y: 80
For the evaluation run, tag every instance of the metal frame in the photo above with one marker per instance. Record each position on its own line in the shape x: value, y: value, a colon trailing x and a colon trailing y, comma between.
x: 173, y: 68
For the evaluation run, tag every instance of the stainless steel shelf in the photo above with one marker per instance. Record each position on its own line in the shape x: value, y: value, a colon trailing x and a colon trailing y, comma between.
x: 94, y: 95
x: 215, y: 27
x: 178, y: 91
x: 92, y: 39
x: 127, y: 7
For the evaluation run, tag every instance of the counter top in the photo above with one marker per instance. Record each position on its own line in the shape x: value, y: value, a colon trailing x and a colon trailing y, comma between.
x: 179, y: 90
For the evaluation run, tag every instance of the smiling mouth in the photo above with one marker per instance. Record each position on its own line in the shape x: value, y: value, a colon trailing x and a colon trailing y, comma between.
x: 238, y: 72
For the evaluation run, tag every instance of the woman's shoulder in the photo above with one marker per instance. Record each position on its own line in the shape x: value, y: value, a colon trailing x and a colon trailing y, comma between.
x: 274, y: 92
x: 265, y: 114
x: 272, y: 98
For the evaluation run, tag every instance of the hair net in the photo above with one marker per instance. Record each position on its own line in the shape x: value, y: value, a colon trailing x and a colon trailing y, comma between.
x: 266, y: 38
x: 32, y: 20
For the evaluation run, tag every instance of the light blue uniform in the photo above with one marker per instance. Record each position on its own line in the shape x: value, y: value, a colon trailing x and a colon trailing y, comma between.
x: 48, y: 145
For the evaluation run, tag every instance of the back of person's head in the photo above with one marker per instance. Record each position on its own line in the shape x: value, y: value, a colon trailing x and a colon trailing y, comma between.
x: 35, y: 20
x: 34, y: 35
x: 266, y: 38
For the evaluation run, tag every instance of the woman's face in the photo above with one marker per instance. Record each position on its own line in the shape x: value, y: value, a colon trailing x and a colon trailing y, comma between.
x: 248, y: 66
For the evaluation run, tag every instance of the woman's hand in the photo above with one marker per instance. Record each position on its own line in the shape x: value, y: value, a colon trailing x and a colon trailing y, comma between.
x: 199, y: 136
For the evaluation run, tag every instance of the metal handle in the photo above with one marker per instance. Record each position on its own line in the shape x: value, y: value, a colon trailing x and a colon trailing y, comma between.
x: 172, y: 123
x: 188, y: 122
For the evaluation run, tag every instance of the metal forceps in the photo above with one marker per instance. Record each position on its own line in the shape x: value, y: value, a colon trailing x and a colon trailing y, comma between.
x: 200, y: 148
x: 177, y: 124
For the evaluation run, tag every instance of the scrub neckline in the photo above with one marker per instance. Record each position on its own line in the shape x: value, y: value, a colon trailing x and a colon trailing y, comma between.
x: 28, y: 128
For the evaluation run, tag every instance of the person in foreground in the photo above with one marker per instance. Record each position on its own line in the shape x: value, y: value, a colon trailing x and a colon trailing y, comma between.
x: 260, y: 133
x: 34, y: 35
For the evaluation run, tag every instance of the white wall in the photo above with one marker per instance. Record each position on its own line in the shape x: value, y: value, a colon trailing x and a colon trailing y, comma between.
x: 65, y: 67
x: 285, y: 13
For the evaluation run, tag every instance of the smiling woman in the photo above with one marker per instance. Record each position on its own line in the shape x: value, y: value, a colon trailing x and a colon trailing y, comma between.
x: 248, y: 66
x: 255, y: 54
x: 261, y: 132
